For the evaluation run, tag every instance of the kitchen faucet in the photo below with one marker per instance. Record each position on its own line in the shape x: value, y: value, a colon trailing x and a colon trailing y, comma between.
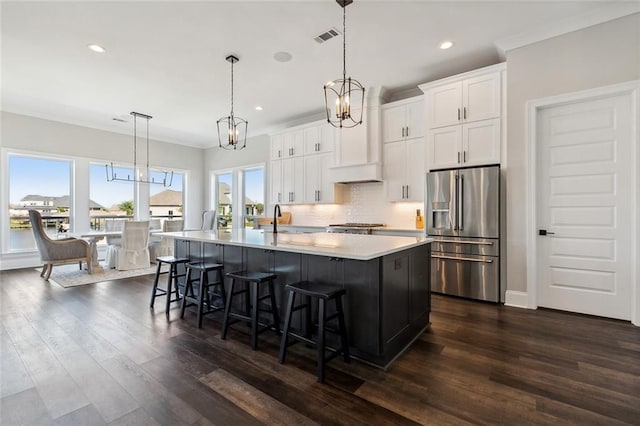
x: 276, y: 215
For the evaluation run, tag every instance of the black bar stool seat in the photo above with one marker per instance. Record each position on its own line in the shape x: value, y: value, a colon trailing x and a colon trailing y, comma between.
x: 204, y: 294
x: 322, y: 293
x: 172, y: 281
x: 251, y: 281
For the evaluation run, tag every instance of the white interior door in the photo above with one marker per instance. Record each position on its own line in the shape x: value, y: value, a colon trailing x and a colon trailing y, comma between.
x: 585, y: 203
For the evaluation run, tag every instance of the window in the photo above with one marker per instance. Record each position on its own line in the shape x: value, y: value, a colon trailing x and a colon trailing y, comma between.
x: 166, y: 202
x: 253, y: 195
x: 42, y: 184
x: 224, y: 203
x: 109, y: 199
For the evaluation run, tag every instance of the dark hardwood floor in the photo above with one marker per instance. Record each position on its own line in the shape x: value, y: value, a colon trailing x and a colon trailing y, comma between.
x: 96, y: 354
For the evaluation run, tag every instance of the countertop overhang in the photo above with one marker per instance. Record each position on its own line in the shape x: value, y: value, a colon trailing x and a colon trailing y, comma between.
x: 348, y: 246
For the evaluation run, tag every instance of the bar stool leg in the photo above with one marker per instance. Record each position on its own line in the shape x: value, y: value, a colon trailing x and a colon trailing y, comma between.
x: 287, y: 324
x: 188, y: 286
x: 155, y: 286
x: 253, y: 288
x: 274, y: 308
x: 169, y: 281
x: 321, y: 319
x: 201, y: 290
x: 343, y: 330
x: 227, y: 309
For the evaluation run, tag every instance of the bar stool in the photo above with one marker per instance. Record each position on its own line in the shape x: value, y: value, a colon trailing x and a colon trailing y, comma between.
x: 323, y: 294
x: 172, y: 281
x: 251, y: 281
x: 189, y: 297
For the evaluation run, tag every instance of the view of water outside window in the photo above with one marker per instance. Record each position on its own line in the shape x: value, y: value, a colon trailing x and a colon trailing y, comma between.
x: 254, y: 195
x: 109, y: 200
x: 225, y: 200
x: 42, y: 184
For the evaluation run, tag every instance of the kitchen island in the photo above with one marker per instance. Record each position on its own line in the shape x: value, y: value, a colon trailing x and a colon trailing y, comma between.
x: 386, y: 278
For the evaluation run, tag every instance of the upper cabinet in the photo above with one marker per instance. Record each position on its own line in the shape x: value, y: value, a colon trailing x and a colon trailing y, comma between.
x: 319, y: 139
x: 464, y: 118
x: 403, y: 120
x: 471, y: 99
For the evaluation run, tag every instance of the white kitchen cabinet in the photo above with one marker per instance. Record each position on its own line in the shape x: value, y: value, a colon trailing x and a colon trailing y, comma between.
x: 403, y: 120
x: 471, y: 99
x: 404, y: 170
x: 317, y: 187
x: 292, y: 180
x: 293, y: 144
x: 470, y: 144
x: 319, y: 139
x: 275, y: 179
x: 276, y: 147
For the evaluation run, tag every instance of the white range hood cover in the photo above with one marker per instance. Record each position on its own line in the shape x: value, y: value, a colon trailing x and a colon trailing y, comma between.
x: 356, y: 173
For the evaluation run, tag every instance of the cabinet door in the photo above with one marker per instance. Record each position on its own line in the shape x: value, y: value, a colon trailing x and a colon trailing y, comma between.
x: 292, y: 180
x: 327, y: 141
x: 293, y: 143
x: 444, y: 146
x: 415, y: 170
x: 312, y: 178
x: 311, y: 140
x: 393, y: 123
x: 353, y: 143
x: 444, y: 104
x: 481, y: 97
x: 393, y: 170
x: 416, y: 120
x: 275, y: 190
x: 276, y: 147
x: 481, y: 142
x: 329, y: 191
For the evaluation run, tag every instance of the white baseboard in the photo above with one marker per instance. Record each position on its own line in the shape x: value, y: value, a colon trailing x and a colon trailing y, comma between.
x: 518, y: 299
x: 19, y: 261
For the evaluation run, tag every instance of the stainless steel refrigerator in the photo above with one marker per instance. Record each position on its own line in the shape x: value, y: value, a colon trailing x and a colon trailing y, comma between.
x: 463, y: 216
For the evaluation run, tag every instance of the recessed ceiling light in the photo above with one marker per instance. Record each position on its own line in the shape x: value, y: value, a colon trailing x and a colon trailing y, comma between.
x: 258, y: 108
x: 446, y: 44
x: 96, y: 48
x: 282, y: 56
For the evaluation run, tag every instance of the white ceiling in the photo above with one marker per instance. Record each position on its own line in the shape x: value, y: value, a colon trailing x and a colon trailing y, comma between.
x: 166, y: 58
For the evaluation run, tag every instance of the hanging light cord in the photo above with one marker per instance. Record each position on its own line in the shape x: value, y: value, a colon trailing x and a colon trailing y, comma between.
x: 232, y: 61
x: 344, y: 42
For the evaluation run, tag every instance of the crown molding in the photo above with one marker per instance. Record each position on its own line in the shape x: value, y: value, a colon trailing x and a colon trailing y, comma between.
x: 574, y: 23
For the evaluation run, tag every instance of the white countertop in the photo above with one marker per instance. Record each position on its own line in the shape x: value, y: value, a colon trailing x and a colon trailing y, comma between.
x: 349, y: 246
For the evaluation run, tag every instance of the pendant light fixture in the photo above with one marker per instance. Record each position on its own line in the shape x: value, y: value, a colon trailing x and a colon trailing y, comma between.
x: 344, y: 97
x: 166, y: 180
x: 232, y: 130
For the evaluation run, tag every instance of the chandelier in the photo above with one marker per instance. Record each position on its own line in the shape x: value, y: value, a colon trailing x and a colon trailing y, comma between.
x: 341, y: 95
x: 166, y: 180
x: 232, y: 130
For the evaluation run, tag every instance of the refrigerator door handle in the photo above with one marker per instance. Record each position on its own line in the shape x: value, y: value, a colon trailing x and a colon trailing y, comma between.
x: 475, y: 243
x: 461, y: 204
x: 455, y: 204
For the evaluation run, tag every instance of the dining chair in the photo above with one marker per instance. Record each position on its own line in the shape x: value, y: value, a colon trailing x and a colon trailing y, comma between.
x: 208, y: 220
x: 55, y: 252
x: 134, y: 251
x: 164, y: 247
x: 113, y: 225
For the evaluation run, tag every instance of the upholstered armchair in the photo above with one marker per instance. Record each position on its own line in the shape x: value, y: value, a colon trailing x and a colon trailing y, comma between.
x: 164, y: 247
x: 134, y: 251
x: 209, y: 220
x: 56, y: 252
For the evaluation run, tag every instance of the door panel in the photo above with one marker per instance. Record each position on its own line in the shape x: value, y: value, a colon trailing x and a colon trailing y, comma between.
x: 584, y: 202
x: 471, y: 276
x: 479, y: 206
x: 481, y: 97
x: 444, y: 147
x: 440, y: 205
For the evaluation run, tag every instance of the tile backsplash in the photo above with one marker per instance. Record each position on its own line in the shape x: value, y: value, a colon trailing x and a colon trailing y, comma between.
x: 364, y: 202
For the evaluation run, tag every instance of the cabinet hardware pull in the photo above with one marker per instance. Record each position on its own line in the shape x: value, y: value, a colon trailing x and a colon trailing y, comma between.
x: 458, y: 157
x: 407, y: 192
x: 407, y: 132
x: 437, y: 256
x: 279, y: 153
x: 475, y: 243
x: 458, y: 114
x: 464, y: 115
x: 464, y: 156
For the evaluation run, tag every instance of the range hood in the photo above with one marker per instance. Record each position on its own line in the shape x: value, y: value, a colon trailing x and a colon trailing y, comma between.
x: 356, y: 173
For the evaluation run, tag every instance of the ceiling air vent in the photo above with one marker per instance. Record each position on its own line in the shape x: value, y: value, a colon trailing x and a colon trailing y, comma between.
x: 327, y: 35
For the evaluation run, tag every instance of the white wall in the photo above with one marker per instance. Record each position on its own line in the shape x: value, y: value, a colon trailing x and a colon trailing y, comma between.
x: 597, y: 56
x: 21, y: 133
